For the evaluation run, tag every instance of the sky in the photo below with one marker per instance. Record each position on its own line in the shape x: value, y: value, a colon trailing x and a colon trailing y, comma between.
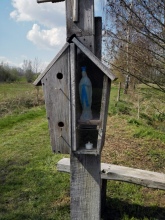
x: 29, y: 30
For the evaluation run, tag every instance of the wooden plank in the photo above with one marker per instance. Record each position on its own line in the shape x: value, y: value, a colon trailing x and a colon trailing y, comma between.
x: 103, y: 194
x: 98, y: 37
x: 104, y: 111
x: 85, y: 177
x: 56, y: 85
x: 53, y: 1
x: 75, y: 10
x: 37, y: 82
x: 73, y: 94
x: 146, y: 178
x: 85, y: 168
x: 93, y: 58
x: 85, y: 151
x: 85, y: 187
x: 106, y: 87
x: 85, y: 24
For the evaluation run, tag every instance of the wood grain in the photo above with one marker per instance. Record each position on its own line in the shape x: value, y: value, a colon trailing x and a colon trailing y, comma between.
x: 85, y: 187
x: 146, y: 178
x: 56, y: 86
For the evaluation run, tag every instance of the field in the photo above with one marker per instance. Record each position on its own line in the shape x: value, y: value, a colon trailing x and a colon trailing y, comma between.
x: 30, y: 186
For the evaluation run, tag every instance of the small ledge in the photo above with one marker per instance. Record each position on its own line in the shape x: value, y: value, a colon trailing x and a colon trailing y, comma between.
x: 90, y: 122
x: 85, y: 151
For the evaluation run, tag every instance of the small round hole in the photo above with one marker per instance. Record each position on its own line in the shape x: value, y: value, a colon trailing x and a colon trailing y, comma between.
x: 61, y: 124
x: 59, y: 75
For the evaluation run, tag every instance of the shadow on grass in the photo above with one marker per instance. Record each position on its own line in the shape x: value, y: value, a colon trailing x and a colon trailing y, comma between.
x: 117, y: 210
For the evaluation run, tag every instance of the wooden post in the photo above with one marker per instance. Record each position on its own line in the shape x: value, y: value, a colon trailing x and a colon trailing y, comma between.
x: 75, y: 10
x: 85, y: 169
x: 85, y: 189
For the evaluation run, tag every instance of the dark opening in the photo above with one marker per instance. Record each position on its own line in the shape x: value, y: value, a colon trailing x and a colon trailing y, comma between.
x: 61, y: 124
x: 59, y: 75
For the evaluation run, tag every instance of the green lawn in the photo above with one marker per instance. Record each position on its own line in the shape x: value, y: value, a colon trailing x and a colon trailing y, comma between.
x: 32, y: 189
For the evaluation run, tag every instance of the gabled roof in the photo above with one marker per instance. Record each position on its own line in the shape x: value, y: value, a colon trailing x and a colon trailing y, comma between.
x: 94, y: 59
x: 37, y: 82
x: 86, y: 51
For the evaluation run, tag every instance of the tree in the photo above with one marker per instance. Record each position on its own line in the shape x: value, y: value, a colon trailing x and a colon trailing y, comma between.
x: 27, y: 69
x: 134, y: 38
x: 36, y: 66
x: 8, y: 73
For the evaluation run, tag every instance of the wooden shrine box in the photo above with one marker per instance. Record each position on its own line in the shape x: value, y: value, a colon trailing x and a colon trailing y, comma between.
x: 60, y: 82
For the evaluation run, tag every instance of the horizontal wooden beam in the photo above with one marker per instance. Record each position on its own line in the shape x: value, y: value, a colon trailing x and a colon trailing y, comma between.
x: 126, y: 174
x: 53, y: 1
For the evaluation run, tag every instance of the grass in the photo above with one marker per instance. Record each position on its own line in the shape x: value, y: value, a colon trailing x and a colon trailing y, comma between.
x: 18, y: 97
x: 32, y: 189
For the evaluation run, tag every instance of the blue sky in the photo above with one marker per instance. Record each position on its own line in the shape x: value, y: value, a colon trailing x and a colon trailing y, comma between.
x: 29, y: 30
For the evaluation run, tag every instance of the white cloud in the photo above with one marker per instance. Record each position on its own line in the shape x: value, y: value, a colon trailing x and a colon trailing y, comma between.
x: 47, y: 14
x: 52, y: 38
x: 7, y: 61
x: 50, y: 15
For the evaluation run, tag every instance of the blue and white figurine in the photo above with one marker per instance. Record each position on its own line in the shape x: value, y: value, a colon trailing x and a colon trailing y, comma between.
x: 85, y: 90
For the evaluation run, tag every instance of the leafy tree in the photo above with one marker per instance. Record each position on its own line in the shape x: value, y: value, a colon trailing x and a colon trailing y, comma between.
x: 134, y: 38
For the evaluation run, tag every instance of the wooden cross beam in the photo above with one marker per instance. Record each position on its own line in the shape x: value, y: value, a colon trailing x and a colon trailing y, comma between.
x: 53, y: 1
x: 75, y: 7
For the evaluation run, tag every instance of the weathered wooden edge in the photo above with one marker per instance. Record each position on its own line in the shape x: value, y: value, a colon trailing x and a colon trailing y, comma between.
x: 73, y: 94
x: 146, y: 178
x: 53, y: 1
x: 75, y: 10
x: 38, y: 80
x: 104, y: 109
x: 93, y: 58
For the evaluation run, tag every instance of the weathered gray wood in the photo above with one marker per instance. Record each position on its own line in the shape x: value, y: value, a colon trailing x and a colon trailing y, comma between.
x: 106, y: 87
x: 53, y: 1
x: 75, y: 10
x: 126, y: 174
x: 73, y: 94
x: 90, y: 122
x: 85, y: 187
x: 103, y: 194
x: 85, y: 168
x: 56, y: 86
x: 85, y: 24
x: 85, y: 151
x: 104, y: 111
x: 87, y: 41
x: 37, y: 82
x: 98, y: 37
x: 94, y: 59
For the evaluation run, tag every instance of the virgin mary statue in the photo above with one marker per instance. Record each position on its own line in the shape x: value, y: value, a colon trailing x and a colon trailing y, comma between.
x: 85, y: 91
